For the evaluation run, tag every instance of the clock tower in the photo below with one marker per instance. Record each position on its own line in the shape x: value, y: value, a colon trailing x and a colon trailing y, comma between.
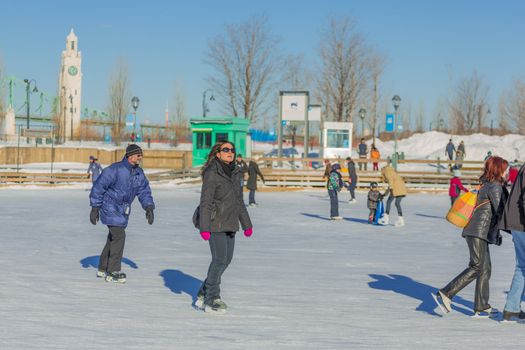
x: 70, y: 88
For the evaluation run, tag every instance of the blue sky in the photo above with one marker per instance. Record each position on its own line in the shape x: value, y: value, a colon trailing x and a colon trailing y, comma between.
x: 429, y: 44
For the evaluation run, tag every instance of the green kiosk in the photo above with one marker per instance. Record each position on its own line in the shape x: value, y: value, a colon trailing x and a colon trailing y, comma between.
x: 207, y: 131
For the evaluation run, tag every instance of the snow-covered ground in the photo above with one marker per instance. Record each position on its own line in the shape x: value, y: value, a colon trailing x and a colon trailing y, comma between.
x: 300, y: 282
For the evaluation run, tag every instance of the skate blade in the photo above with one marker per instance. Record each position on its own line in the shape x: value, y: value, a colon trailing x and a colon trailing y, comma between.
x: 119, y: 281
x: 211, y: 311
x: 444, y: 311
x: 494, y: 313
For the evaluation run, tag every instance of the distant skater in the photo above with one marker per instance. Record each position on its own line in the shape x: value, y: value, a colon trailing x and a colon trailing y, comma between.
x: 334, y: 185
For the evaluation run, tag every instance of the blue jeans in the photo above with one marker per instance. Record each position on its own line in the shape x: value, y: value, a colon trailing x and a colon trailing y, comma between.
x: 518, y: 281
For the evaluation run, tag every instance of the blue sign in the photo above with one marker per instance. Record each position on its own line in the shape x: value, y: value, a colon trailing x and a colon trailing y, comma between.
x: 389, y: 124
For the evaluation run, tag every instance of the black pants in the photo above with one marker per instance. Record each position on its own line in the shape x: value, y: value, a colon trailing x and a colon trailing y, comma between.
x: 351, y: 188
x: 398, y: 204
x: 111, y: 256
x: 478, y: 269
x: 221, y: 247
x: 251, y: 197
x: 334, y: 203
x: 452, y: 200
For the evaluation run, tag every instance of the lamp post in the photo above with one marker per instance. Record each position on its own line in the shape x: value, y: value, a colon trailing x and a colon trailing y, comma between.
x: 205, y: 108
x: 28, y: 93
x: 396, y: 101
x: 135, y: 104
x: 362, y: 114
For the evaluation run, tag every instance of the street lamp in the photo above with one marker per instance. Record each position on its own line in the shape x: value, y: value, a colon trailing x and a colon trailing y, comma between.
x: 135, y: 104
x: 362, y: 114
x: 28, y: 92
x: 396, y: 101
x: 205, y: 108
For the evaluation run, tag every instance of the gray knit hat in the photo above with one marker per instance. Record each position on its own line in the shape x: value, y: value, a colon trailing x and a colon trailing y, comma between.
x: 133, y: 149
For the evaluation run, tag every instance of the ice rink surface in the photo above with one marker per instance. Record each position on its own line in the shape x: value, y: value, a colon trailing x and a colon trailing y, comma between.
x: 300, y: 282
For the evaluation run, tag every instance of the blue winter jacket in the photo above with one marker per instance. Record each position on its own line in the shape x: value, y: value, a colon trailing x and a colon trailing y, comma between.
x: 115, y: 190
x: 95, y: 169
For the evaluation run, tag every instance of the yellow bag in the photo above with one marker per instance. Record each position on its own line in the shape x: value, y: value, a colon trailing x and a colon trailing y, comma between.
x: 461, y: 212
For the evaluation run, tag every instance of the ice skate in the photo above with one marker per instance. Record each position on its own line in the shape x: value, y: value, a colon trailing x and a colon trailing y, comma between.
x: 513, y: 316
x: 199, y: 303
x: 384, y: 220
x: 217, y: 306
x: 353, y: 200
x: 400, y: 221
x: 117, y: 277
x: 443, y: 302
x: 490, y: 312
x: 101, y: 274
x: 253, y: 205
x: 336, y: 218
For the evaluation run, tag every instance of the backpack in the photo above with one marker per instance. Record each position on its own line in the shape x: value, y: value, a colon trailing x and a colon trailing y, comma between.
x: 461, y: 212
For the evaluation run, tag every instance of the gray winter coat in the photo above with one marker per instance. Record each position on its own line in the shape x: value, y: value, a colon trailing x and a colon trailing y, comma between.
x: 222, y: 205
x: 484, y: 221
x: 513, y: 217
x: 253, y: 171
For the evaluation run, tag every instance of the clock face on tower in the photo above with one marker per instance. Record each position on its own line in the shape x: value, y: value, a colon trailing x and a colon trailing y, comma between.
x: 72, y: 70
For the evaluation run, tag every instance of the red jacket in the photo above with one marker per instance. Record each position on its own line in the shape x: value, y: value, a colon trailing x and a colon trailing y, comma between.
x: 455, y: 187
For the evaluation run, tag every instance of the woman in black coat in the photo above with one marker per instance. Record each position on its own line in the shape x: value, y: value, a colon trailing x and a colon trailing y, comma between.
x: 253, y: 171
x: 220, y: 210
x: 481, y: 230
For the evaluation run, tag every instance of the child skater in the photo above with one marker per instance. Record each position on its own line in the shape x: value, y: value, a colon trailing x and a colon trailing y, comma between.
x: 374, y: 197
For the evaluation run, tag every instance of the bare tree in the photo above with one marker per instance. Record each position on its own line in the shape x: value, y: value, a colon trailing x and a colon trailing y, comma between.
x: 420, y: 119
x: 343, y: 76
x: 376, y: 67
x: 2, y: 88
x: 180, y: 125
x: 119, y: 99
x: 296, y: 76
x: 468, y: 105
x: 512, y: 107
x: 245, y: 59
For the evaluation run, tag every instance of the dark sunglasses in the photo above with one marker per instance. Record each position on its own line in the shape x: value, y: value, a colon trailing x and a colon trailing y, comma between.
x: 228, y: 150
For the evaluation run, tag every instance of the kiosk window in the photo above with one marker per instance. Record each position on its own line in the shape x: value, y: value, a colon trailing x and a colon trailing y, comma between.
x: 203, y: 140
x: 221, y: 136
x: 337, y: 138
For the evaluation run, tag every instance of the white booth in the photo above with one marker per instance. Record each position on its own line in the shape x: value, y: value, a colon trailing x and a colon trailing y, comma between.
x: 337, y: 139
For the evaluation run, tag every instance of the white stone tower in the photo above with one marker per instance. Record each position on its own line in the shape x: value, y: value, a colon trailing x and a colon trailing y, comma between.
x: 70, y: 88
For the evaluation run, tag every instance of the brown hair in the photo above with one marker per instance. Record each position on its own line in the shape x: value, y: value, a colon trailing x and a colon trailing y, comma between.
x: 213, y: 153
x: 494, y: 169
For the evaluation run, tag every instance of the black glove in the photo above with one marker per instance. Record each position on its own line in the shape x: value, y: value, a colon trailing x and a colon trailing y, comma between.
x: 149, y: 215
x: 93, y: 216
x: 499, y: 239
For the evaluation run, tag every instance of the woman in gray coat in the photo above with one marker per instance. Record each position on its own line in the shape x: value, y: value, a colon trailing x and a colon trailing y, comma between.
x: 481, y: 230
x: 253, y: 171
x: 220, y: 210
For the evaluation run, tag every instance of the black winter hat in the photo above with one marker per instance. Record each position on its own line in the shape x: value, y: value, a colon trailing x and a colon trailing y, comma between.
x: 132, y: 150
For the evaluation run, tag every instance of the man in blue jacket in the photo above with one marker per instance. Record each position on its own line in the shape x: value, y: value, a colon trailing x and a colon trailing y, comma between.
x: 110, y: 199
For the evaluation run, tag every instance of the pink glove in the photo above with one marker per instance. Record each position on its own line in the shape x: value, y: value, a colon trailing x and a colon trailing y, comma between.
x: 248, y: 232
x: 205, y: 235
